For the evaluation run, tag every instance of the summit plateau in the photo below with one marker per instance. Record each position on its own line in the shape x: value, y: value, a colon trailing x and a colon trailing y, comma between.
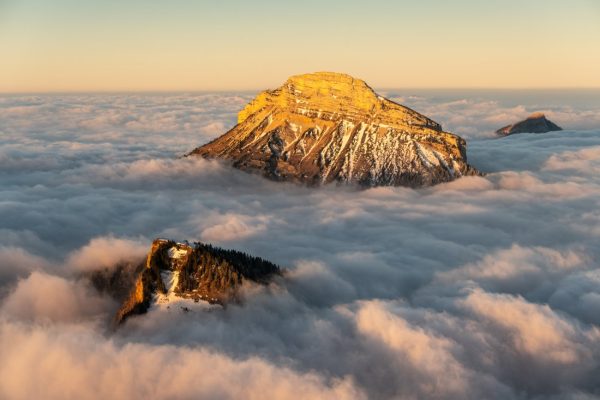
x: 327, y: 127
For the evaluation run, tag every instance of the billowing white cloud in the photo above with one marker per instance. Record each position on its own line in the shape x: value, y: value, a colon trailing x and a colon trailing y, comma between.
x: 520, y: 269
x: 106, y: 252
x: 423, y: 360
x: 228, y: 227
x: 79, y: 363
x: 585, y: 161
x: 48, y: 298
x: 533, y: 329
x: 16, y: 262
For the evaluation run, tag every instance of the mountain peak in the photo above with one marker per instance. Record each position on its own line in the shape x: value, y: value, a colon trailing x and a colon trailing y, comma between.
x: 325, y: 78
x: 182, y: 273
x: 534, y: 123
x: 326, y: 84
x: 537, y: 115
x: 327, y: 127
x: 330, y: 91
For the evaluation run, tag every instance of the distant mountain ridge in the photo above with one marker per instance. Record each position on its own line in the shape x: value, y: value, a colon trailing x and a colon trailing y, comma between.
x: 328, y: 127
x: 535, y: 123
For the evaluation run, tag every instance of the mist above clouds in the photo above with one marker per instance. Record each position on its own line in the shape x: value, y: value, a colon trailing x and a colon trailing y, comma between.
x: 485, y: 287
x: 479, y: 113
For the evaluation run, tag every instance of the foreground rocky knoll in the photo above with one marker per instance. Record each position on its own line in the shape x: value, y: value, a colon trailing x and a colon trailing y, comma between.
x: 328, y: 127
x: 174, y: 271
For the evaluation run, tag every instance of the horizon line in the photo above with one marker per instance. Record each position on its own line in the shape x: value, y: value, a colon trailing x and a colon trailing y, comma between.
x: 167, y: 91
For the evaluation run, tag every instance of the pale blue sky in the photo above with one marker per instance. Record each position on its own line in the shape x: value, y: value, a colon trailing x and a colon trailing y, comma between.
x: 204, y: 45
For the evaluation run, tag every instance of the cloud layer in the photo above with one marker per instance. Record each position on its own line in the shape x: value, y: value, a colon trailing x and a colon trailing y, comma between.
x: 479, y: 113
x: 486, y: 287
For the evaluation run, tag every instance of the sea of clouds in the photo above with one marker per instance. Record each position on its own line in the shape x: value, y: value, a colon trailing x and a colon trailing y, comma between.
x: 486, y: 287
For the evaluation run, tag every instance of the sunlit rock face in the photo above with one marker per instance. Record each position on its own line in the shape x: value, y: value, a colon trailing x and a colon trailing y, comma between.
x: 535, y: 123
x: 181, y: 274
x: 328, y: 127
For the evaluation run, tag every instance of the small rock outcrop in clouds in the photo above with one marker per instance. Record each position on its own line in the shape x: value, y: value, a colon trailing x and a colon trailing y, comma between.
x: 535, y: 123
x: 175, y: 271
x: 328, y: 127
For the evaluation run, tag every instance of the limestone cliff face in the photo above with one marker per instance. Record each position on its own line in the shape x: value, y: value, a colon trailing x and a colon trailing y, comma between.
x: 327, y: 127
x: 198, y: 272
x: 535, y: 123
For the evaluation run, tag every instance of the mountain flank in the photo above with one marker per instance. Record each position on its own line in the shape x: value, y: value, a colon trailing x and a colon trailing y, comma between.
x: 328, y: 127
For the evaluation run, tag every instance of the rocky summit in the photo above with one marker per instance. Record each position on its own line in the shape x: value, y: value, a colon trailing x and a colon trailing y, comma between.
x: 328, y: 127
x: 173, y: 272
x: 535, y: 123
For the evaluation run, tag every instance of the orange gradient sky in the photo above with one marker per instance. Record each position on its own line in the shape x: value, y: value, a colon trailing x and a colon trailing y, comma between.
x: 135, y: 45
